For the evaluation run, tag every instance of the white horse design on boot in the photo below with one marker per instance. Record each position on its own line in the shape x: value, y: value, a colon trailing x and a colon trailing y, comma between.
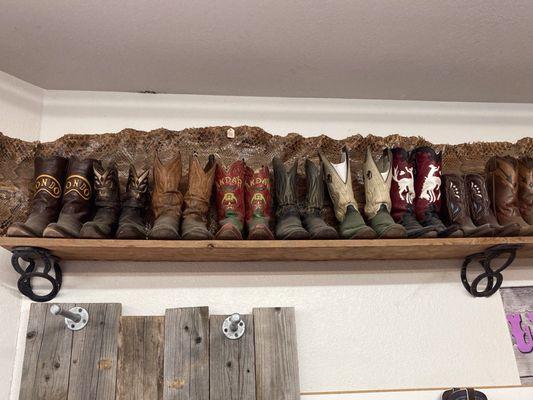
x: 405, y: 184
x: 431, y: 184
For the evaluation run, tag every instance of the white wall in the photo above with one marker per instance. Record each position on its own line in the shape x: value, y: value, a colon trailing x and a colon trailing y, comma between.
x: 20, y: 116
x: 374, y: 325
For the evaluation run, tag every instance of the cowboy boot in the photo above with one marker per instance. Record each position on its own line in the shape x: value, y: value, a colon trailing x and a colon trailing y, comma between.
x: 480, y: 210
x: 339, y: 183
x: 258, y: 203
x: 166, y: 199
x: 427, y: 191
x: 131, y: 224
x: 107, y: 202
x: 525, y: 188
x: 502, y: 185
x: 378, y: 178
x: 76, y: 206
x: 456, y: 207
x: 197, y: 198
x: 229, y: 183
x: 402, y: 194
x: 49, y: 178
x: 313, y: 221
x: 289, y: 224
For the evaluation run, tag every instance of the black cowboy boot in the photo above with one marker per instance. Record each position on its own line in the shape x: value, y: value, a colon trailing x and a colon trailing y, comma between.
x: 131, y: 224
x: 107, y: 202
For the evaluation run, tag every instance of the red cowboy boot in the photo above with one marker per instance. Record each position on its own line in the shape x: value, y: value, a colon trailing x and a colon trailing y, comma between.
x: 402, y: 195
x: 229, y: 183
x: 427, y: 202
x: 258, y: 203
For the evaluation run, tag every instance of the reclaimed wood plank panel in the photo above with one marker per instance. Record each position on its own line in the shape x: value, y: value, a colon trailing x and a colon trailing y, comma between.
x: 140, y: 360
x: 34, y: 339
x: 231, y: 362
x: 267, y: 250
x: 93, y: 365
x: 186, y: 364
x: 276, y: 354
x: 53, y: 365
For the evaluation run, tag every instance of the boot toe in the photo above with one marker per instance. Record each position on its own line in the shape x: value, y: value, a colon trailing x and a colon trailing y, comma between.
x: 22, y: 230
x: 130, y: 232
x: 394, y: 231
x: 163, y: 233
x: 56, y: 230
x: 94, y: 231
x: 294, y: 234
x: 365, y: 232
x: 260, y: 232
x: 197, y: 234
x: 326, y: 233
x: 228, y: 232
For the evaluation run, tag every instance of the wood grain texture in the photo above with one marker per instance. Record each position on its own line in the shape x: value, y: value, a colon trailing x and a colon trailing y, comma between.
x: 140, y: 360
x: 47, y: 356
x: 93, y: 366
x: 231, y: 362
x: 276, y: 354
x: 266, y: 250
x: 186, y: 364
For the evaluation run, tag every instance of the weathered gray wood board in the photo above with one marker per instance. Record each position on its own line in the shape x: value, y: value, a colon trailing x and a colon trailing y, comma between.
x: 140, y: 358
x: 276, y: 354
x: 186, y: 365
x: 60, y: 364
x: 231, y: 362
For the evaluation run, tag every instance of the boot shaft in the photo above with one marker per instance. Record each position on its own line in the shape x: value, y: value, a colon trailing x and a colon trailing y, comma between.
x: 339, y: 183
x: 78, y: 191
x: 402, y: 190
x: 285, y: 183
x: 136, y: 189
x: 200, y: 186
x: 166, y: 197
x: 455, y: 199
x: 49, y: 180
x: 378, y: 178
x: 315, y: 186
x: 427, y: 181
x: 525, y: 188
x: 478, y: 200
x: 502, y: 185
x: 229, y: 183
x: 258, y: 193
x: 106, y: 185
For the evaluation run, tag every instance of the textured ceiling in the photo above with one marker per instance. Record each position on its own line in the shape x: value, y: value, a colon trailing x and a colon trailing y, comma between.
x: 471, y: 50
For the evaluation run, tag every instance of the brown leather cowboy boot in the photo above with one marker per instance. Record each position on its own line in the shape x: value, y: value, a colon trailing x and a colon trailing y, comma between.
x: 378, y: 179
x: 289, y: 224
x: 131, y: 224
x: 456, y: 207
x: 339, y: 183
x: 258, y: 203
x: 480, y: 210
x: 49, y: 178
x: 525, y: 188
x: 197, y: 198
x: 166, y: 199
x: 502, y: 185
x: 427, y: 191
x: 402, y: 195
x: 229, y: 183
x: 313, y: 221
x: 107, y: 202
x: 77, y: 200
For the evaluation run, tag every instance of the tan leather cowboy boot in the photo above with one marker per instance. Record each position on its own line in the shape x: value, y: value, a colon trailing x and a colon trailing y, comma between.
x: 197, y: 198
x: 166, y: 199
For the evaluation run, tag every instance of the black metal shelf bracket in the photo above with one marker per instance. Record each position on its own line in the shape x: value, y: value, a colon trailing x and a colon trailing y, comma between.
x: 37, y: 259
x: 493, y: 277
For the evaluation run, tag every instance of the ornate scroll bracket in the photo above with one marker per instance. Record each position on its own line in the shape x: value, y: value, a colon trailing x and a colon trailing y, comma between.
x: 36, y: 258
x: 493, y: 277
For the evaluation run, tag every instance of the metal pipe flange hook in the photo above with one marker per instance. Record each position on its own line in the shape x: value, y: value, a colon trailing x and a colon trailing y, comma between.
x: 75, y: 319
x: 233, y: 327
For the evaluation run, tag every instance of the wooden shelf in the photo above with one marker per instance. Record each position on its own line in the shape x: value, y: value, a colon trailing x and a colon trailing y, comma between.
x: 272, y: 250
